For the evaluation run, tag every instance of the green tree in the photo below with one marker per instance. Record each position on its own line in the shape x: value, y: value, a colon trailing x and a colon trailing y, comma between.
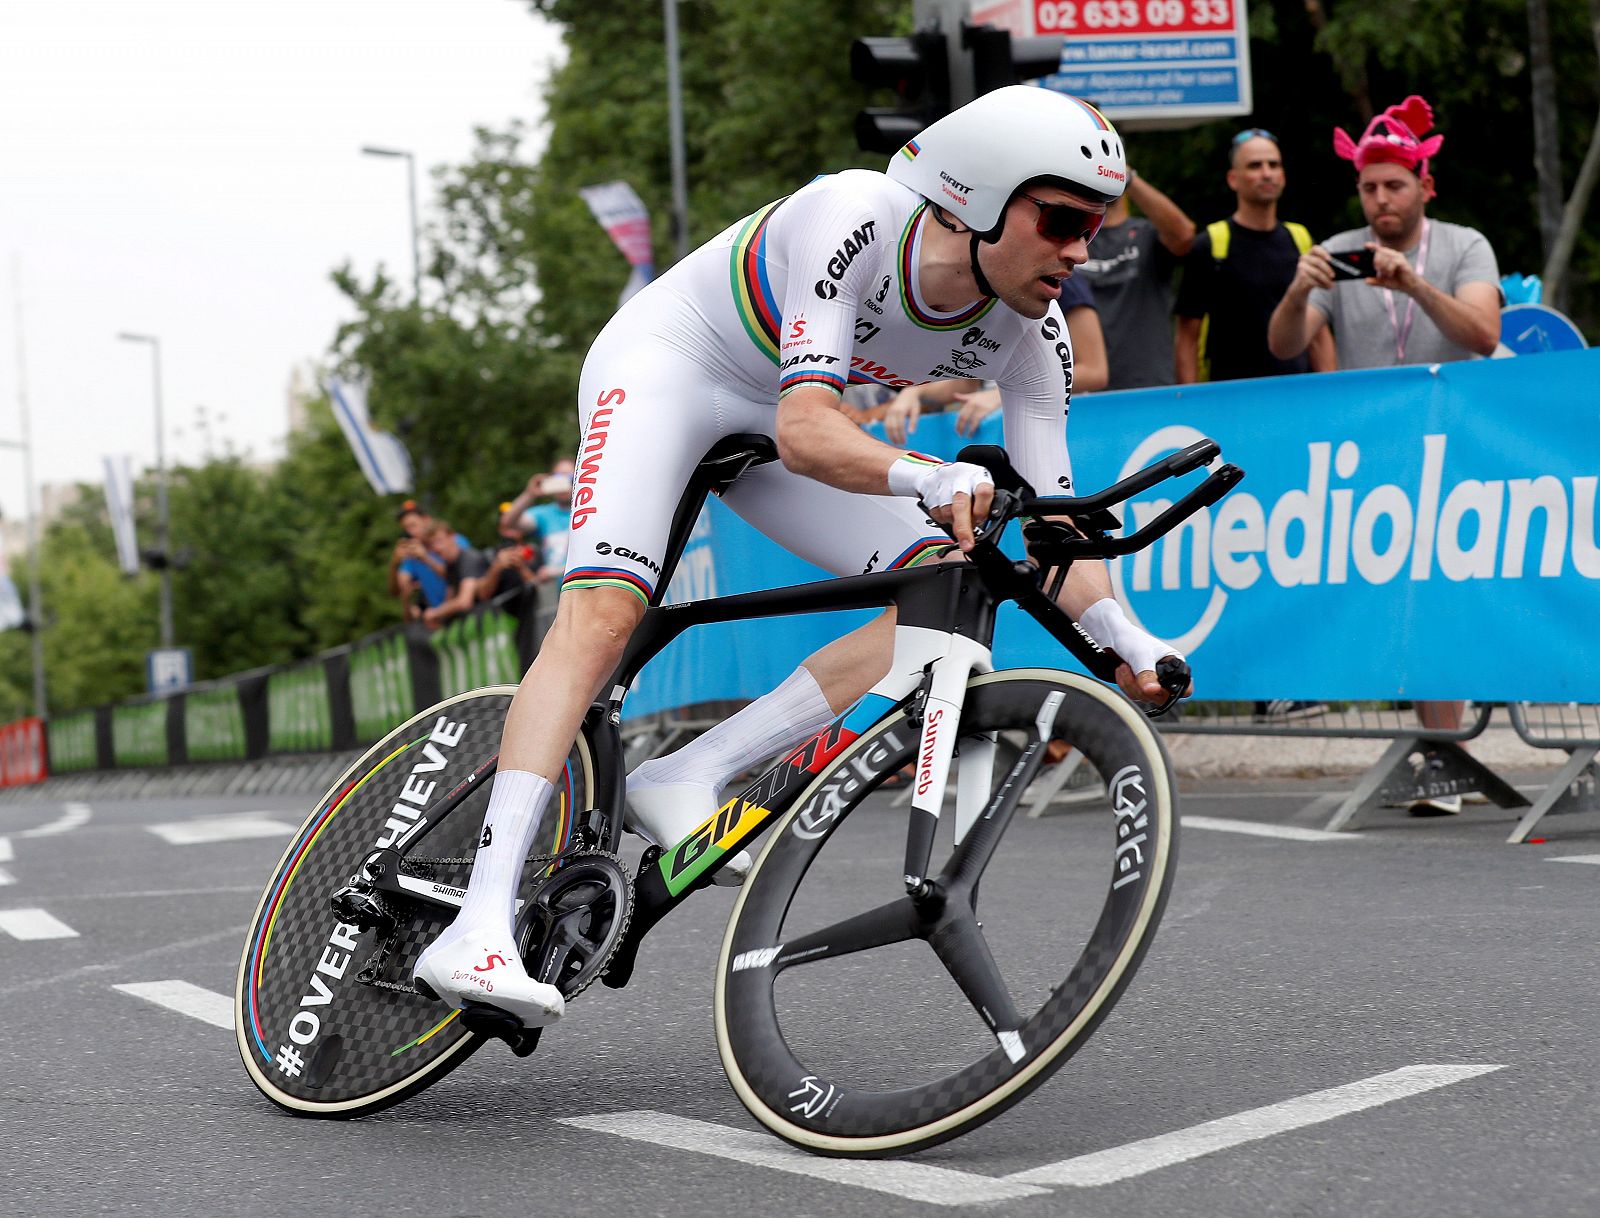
x: 339, y: 534
x: 98, y: 623
x: 235, y: 599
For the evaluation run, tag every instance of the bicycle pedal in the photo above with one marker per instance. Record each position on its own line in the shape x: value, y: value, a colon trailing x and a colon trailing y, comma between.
x: 489, y: 1021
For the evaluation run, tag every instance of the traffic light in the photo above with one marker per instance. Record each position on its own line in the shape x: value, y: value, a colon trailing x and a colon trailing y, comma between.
x: 918, y: 70
x: 999, y: 59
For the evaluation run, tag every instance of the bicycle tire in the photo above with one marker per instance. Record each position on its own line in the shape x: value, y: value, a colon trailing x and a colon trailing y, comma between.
x: 835, y: 1115
x: 296, y: 994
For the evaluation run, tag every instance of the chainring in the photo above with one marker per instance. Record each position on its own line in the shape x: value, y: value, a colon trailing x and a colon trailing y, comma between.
x: 575, y: 919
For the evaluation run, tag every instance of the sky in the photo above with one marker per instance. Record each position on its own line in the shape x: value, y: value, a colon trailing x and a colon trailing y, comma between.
x: 191, y: 169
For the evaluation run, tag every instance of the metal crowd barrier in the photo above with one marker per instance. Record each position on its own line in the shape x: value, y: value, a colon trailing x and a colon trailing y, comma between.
x: 1420, y: 762
x: 1575, y: 727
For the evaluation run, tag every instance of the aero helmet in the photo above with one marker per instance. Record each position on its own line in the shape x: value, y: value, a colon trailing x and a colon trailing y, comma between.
x: 971, y: 161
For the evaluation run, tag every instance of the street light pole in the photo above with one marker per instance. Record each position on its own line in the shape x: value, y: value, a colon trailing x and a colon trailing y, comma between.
x: 162, y: 520
x: 680, y: 190
x: 411, y: 172
x: 41, y: 706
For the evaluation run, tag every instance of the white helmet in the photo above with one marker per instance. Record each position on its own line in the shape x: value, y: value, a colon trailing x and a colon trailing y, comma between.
x: 971, y: 161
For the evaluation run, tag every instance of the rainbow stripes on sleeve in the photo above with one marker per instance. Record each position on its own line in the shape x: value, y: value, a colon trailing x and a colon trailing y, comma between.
x: 608, y: 577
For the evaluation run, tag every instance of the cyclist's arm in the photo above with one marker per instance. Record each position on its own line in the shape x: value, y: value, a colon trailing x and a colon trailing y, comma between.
x: 1036, y: 398
x: 816, y: 440
x: 828, y: 237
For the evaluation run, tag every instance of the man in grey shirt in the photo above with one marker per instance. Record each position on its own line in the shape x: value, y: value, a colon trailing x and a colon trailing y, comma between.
x: 1433, y: 294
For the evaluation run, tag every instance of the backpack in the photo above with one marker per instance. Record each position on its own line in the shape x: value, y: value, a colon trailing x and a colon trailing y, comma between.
x: 1220, y: 233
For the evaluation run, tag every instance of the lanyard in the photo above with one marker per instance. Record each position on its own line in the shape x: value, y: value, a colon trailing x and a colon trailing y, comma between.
x: 1402, y: 329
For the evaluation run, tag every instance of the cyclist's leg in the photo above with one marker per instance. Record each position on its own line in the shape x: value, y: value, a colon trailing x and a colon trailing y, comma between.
x: 841, y: 532
x: 644, y: 431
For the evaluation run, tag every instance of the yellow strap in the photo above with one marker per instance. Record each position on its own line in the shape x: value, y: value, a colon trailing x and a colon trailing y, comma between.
x: 1219, y: 232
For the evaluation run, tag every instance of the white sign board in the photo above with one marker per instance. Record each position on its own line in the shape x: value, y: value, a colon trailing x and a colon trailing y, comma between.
x: 168, y: 668
x: 1164, y: 61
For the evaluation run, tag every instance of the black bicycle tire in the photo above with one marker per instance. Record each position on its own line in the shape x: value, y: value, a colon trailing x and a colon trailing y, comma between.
x: 458, y: 1044
x: 742, y: 1024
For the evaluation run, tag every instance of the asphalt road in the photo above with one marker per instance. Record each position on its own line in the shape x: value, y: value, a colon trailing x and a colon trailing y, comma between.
x: 1430, y: 989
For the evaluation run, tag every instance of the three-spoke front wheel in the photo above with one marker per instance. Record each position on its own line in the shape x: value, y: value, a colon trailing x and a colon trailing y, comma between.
x: 854, y: 1019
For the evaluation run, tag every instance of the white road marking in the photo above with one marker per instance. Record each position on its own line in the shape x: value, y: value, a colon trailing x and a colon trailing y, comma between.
x: 72, y: 816
x: 1137, y: 1158
x: 205, y: 829
x: 208, y: 1006
x: 7, y: 854
x: 121, y: 963
x: 915, y: 1181
x: 1256, y: 829
x: 6, y: 877
x: 34, y: 924
x: 1576, y: 858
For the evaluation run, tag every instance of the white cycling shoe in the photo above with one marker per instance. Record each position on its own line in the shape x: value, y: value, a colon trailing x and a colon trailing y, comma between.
x: 666, y: 814
x: 472, y: 965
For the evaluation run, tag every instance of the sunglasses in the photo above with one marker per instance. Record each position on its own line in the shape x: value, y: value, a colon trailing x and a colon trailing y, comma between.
x: 1064, y: 222
x: 1254, y: 133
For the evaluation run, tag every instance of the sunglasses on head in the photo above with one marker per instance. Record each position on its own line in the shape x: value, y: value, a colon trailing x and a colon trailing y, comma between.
x: 1063, y: 222
x: 1253, y: 133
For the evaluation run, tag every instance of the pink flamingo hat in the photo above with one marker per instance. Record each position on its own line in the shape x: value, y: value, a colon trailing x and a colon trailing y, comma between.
x: 1393, y: 137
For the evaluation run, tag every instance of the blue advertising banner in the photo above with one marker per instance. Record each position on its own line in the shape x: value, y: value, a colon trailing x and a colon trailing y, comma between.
x: 1414, y: 533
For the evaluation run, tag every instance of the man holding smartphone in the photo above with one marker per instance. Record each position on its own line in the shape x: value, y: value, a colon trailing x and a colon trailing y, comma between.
x: 1403, y: 290
x: 1406, y: 289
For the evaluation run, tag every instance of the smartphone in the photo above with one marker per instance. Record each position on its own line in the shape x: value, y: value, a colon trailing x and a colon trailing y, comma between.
x: 1353, y: 264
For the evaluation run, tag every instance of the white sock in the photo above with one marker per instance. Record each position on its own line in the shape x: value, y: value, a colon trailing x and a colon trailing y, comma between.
x: 773, y: 722
x: 516, y: 805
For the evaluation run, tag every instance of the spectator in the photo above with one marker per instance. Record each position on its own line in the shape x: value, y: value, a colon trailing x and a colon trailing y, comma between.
x: 978, y: 399
x: 514, y: 564
x: 416, y: 575
x: 1433, y: 296
x: 1130, y: 267
x: 463, y: 568
x: 1236, y: 273
x: 550, y: 523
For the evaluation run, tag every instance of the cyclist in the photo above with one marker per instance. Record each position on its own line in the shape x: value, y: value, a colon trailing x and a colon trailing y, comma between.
x: 951, y: 260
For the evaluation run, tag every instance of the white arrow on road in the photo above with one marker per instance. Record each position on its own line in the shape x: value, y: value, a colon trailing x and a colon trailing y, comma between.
x: 73, y: 816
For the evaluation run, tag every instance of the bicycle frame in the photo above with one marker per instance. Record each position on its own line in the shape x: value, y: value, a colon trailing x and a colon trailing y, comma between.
x: 943, y: 634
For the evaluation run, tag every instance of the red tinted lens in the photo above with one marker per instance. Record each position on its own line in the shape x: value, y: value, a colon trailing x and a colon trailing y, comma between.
x: 1064, y: 222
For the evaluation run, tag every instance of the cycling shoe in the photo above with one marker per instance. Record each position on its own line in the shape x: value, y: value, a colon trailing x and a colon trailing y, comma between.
x: 469, y: 965
x: 668, y: 813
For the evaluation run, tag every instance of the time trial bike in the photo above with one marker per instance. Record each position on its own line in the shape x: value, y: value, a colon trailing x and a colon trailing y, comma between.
x: 862, y: 1007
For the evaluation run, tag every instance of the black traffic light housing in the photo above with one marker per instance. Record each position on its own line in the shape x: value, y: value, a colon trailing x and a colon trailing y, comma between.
x: 918, y: 70
x: 1000, y: 59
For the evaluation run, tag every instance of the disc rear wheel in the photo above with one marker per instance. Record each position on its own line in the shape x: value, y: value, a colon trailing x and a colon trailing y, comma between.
x: 326, y: 1018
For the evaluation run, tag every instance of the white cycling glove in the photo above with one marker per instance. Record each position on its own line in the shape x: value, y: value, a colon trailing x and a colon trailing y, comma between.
x: 1109, y: 626
x: 935, y: 482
